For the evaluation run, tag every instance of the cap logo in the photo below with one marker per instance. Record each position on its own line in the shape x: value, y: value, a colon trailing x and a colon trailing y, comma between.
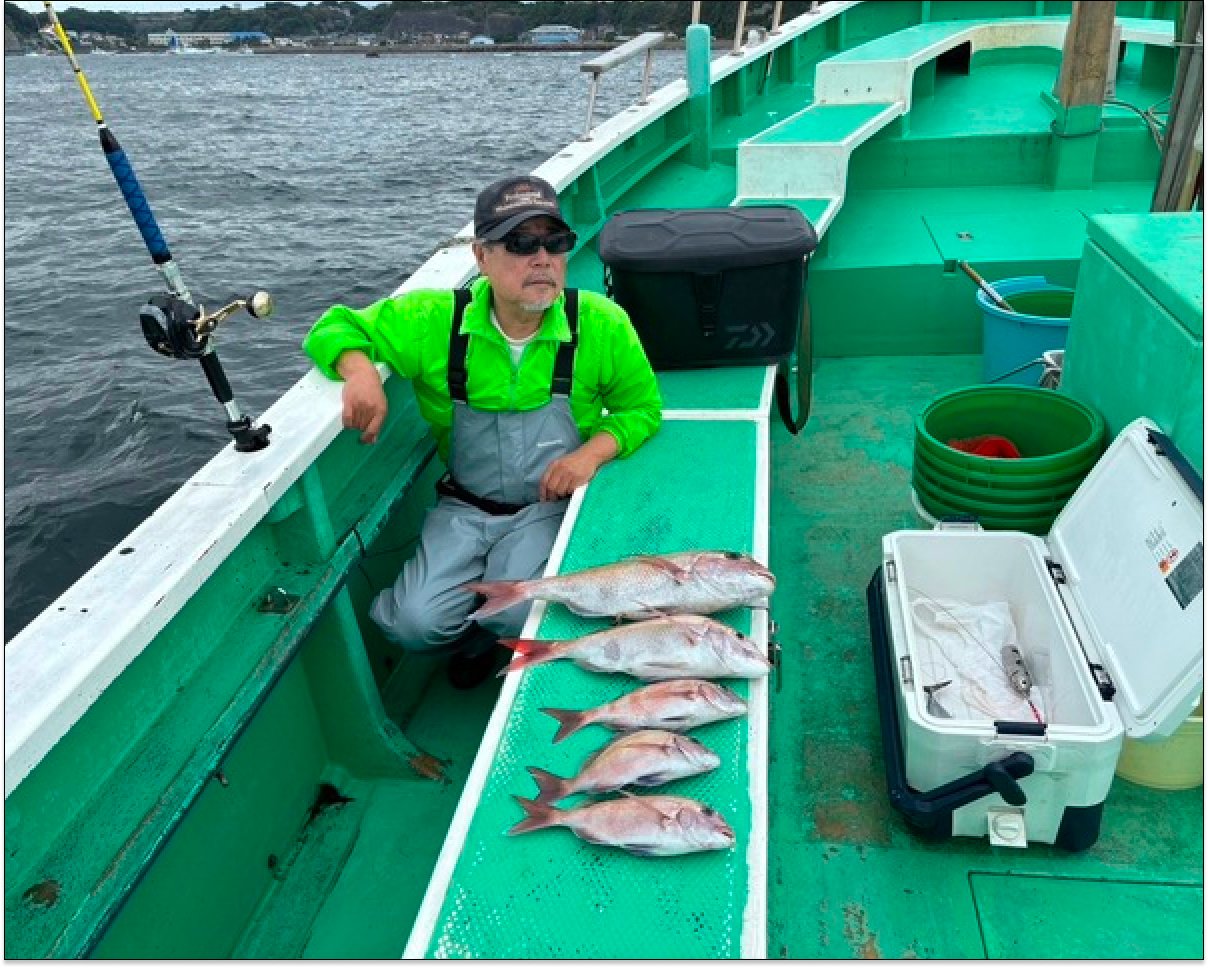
x: 522, y: 196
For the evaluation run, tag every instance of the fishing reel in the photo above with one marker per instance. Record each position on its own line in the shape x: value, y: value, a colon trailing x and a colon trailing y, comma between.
x: 175, y: 328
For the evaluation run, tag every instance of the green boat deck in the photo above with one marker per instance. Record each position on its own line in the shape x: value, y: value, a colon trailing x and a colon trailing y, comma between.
x: 285, y: 787
x: 850, y: 878
x: 846, y: 875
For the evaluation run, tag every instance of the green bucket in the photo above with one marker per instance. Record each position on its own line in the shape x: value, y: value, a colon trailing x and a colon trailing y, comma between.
x: 1040, y: 500
x: 936, y: 510
x: 994, y: 480
x: 1059, y: 440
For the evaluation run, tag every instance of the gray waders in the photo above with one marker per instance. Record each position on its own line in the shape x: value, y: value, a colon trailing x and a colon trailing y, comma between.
x: 488, y: 524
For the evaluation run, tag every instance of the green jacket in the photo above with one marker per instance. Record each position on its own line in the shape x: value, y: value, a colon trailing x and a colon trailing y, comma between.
x: 410, y: 333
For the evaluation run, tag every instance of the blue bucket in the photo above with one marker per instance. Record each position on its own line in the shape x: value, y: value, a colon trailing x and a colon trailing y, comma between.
x: 1012, y: 341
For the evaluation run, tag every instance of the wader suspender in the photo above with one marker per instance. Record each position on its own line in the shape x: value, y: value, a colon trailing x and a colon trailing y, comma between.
x: 459, y: 341
x: 559, y: 386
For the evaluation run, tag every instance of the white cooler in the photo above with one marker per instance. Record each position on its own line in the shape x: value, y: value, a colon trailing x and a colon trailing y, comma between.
x: 1109, y: 616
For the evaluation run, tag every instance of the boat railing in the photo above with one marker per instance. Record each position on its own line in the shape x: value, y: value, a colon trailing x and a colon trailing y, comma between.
x: 741, y: 22
x: 647, y: 42
x: 598, y: 66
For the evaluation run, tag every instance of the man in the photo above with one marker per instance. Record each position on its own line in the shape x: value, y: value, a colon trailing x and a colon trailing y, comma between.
x: 515, y: 385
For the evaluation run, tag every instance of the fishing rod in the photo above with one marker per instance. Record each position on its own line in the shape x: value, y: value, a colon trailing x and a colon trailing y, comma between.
x: 172, y: 323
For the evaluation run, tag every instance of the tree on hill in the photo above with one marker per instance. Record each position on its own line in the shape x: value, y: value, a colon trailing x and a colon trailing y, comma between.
x: 503, y: 19
x: 25, y: 25
x: 18, y: 21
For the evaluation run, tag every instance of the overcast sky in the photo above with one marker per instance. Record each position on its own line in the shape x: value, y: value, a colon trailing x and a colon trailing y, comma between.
x: 35, y: 6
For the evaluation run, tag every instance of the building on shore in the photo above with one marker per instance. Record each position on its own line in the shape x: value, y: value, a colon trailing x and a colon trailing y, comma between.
x: 250, y: 37
x: 552, y: 34
x: 209, y: 38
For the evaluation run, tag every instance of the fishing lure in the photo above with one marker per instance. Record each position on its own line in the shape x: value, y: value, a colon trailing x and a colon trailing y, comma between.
x: 1017, y: 671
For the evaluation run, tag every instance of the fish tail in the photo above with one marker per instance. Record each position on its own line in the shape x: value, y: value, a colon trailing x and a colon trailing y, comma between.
x: 499, y: 595
x: 570, y: 721
x: 538, y: 816
x: 550, y: 787
x: 529, y: 652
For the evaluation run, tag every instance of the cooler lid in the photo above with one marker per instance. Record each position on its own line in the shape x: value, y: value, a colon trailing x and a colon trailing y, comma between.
x: 705, y: 239
x: 1131, y: 543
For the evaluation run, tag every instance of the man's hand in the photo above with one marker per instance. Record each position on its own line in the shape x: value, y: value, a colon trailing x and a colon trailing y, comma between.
x: 364, y: 399
x: 574, y: 470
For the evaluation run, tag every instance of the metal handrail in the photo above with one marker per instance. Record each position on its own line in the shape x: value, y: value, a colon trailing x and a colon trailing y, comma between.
x: 646, y: 42
x: 777, y: 9
x: 598, y: 66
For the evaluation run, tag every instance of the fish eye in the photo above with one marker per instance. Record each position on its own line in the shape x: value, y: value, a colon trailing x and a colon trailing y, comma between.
x: 709, y: 812
x: 732, y: 555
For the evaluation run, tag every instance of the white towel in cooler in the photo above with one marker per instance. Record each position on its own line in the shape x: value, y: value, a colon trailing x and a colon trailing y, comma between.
x: 962, y: 642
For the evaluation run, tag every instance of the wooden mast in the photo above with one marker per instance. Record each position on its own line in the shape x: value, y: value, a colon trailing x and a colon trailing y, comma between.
x: 1086, y: 61
x: 1087, y: 53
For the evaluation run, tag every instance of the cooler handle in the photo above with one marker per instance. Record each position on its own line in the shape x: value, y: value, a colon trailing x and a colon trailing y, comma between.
x: 803, y: 356
x: 799, y: 362
x: 999, y: 776
x: 1166, y: 447
x: 931, y: 809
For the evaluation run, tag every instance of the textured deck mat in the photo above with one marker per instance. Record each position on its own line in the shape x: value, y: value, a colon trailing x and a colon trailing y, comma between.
x: 548, y: 894
x: 732, y: 388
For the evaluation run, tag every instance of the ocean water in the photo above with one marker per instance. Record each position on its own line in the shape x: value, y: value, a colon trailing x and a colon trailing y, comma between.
x: 321, y: 178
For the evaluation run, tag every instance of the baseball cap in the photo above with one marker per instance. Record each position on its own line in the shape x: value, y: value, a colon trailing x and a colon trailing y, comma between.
x: 504, y: 204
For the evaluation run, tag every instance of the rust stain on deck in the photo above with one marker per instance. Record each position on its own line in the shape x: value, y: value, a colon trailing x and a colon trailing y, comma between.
x: 855, y: 928
x: 845, y: 786
x: 850, y: 823
x: 44, y: 893
x: 431, y: 767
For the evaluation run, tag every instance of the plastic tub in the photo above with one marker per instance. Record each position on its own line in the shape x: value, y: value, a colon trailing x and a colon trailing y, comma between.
x: 938, y: 465
x: 1060, y: 440
x: 938, y: 508
x: 1041, y: 322
x: 1041, y: 498
x: 926, y: 516
x: 1174, y: 763
x: 1055, y: 434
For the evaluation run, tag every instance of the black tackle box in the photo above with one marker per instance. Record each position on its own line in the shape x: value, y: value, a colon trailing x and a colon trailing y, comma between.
x: 710, y: 286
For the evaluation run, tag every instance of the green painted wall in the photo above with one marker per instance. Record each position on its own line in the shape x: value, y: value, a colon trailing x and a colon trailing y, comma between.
x: 1136, y: 343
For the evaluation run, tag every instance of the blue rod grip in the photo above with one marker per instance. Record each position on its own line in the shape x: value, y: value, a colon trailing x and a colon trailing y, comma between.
x: 123, y: 172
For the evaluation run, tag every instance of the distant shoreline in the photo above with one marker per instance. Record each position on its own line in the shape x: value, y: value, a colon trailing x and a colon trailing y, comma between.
x: 450, y: 48
x: 393, y: 50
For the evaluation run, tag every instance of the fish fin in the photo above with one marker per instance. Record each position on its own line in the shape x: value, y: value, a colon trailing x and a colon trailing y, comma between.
x: 529, y: 652
x: 499, y: 595
x: 654, y: 779
x: 550, y: 787
x: 641, y: 611
x: 570, y: 721
x: 669, y: 668
x: 678, y: 572
x: 651, y: 803
x: 538, y: 816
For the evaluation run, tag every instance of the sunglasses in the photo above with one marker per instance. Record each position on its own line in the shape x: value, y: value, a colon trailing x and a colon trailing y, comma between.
x: 524, y: 243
